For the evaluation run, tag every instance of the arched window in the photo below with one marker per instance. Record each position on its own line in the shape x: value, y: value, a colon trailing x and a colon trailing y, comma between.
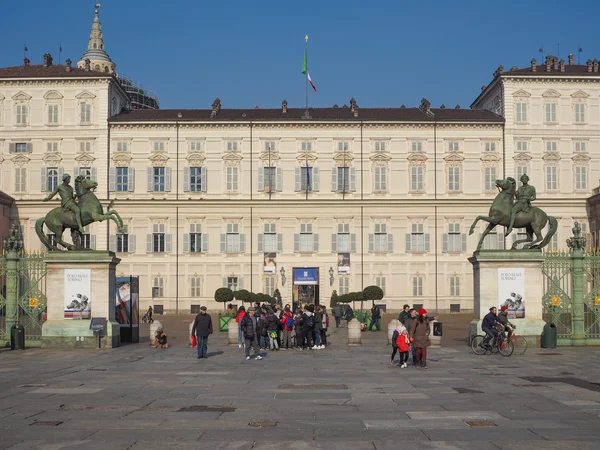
x: 95, y: 45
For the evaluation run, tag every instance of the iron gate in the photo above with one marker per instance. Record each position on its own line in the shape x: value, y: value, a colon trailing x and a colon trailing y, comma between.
x: 557, y: 302
x: 591, y: 299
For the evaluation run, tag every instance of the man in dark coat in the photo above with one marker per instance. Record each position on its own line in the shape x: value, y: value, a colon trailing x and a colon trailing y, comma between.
x: 337, y: 313
x: 489, y: 326
x: 375, y: 317
x: 202, y: 328
x: 408, y: 322
x: 405, y: 314
x: 249, y: 326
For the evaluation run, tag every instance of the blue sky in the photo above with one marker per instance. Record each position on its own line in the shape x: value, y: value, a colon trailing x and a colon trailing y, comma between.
x: 383, y: 53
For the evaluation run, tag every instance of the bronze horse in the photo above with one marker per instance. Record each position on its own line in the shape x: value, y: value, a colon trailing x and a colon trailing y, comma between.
x: 58, y: 220
x: 534, y: 220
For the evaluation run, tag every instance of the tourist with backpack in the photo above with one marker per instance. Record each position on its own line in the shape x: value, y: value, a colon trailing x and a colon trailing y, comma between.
x: 318, y: 320
x: 306, y: 327
x: 273, y: 330
x: 287, y: 320
x: 239, y: 316
x: 324, y: 326
x: 298, y: 328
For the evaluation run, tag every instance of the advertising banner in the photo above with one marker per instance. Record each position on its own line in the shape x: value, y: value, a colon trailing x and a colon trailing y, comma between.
x: 270, y: 263
x: 306, y: 276
x: 344, y: 263
x: 511, y: 291
x: 123, y: 311
x: 78, y: 294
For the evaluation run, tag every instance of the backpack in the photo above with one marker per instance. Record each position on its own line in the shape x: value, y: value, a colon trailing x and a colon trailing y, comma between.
x: 290, y: 322
x: 309, y: 322
x: 395, y: 338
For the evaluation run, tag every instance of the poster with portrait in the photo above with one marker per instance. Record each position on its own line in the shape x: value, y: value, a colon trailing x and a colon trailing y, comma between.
x: 344, y: 263
x: 511, y: 291
x: 78, y: 294
x: 123, y: 297
x: 270, y: 265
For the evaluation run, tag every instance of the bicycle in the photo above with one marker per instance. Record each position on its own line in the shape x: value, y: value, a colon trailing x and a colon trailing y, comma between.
x: 519, y: 342
x: 502, y: 346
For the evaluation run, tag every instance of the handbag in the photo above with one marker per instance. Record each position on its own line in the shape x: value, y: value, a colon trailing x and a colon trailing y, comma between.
x: 194, y: 341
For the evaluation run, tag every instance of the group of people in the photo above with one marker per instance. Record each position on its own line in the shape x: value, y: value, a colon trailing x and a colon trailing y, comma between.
x: 411, y: 337
x: 271, y: 327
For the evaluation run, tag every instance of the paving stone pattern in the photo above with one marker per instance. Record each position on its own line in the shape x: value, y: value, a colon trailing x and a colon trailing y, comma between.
x: 136, y: 397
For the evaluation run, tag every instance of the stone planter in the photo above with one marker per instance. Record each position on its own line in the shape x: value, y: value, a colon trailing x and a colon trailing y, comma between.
x: 354, y: 337
x: 232, y: 332
x: 391, y: 327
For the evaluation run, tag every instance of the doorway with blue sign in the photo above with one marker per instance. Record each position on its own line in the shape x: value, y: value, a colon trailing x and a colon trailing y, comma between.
x: 306, y: 286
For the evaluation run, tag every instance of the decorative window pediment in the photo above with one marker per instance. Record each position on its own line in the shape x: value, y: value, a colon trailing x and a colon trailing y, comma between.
x: 581, y: 158
x: 270, y: 156
x: 21, y: 96
x: 85, y: 159
x: 231, y: 157
x: 306, y: 156
x: 85, y: 95
x: 579, y: 94
x: 20, y: 160
x: 52, y: 159
x: 380, y: 158
x: 53, y: 95
x: 122, y: 159
x: 417, y: 159
x: 454, y: 159
x: 522, y: 158
x: 551, y: 93
x: 158, y: 159
x: 521, y: 93
x: 551, y: 158
x: 343, y: 159
x: 195, y: 159
x: 490, y: 158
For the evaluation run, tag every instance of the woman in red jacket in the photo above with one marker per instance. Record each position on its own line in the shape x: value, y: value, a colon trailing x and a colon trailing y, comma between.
x: 287, y: 320
x: 238, y: 318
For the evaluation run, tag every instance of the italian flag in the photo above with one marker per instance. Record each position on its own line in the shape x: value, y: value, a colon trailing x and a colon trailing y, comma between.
x: 305, y: 70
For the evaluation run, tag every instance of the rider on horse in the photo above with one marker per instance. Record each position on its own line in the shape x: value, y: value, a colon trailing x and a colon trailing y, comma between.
x: 525, y: 195
x: 67, y: 199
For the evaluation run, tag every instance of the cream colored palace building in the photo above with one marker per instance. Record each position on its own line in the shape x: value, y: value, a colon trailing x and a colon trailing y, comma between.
x: 209, y: 195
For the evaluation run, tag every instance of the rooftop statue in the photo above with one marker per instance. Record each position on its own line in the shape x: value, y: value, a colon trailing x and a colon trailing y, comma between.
x: 507, y: 212
x: 77, y: 209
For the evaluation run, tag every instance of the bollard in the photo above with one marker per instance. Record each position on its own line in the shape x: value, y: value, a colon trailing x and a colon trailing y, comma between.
x: 391, y: 327
x: 232, y: 332
x: 153, y: 327
x: 436, y: 341
x: 354, y: 333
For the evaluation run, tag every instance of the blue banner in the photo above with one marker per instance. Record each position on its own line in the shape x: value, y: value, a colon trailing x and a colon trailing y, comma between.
x: 306, y: 276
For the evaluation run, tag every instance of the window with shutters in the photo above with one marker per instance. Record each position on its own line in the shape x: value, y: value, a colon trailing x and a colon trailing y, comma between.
x: 380, y: 238
x: 195, y: 287
x: 122, y: 181
x: 417, y: 146
x: 493, y: 241
x: 454, y: 286
x: 123, y: 240
x: 343, y: 238
x: 233, y: 283
x: 306, y: 146
x: 158, y: 287
x: 306, y: 180
x: 269, y: 178
x: 452, y: 242
x: 195, y: 238
x: 52, y: 147
x: 417, y: 238
x: 551, y: 178
x: 86, y: 172
x: 453, y: 146
x: 489, y: 175
x: 195, y: 146
x: 22, y: 114
x: 417, y: 286
x: 85, y: 113
x: 380, y: 146
x: 195, y: 179
x: 232, y: 179
x: 20, y: 179
x: 416, y: 178
x: 52, y: 115
x: 380, y: 283
x: 521, y: 146
x: 51, y: 178
x: 343, y: 178
x: 344, y: 284
x: 581, y: 176
x: 159, y: 179
x: 158, y: 237
x: 85, y: 146
x: 380, y: 178
x: 269, y: 285
x: 453, y: 179
x: 232, y: 146
x: 520, y: 171
x: 490, y: 146
x: 521, y: 112
x: 270, y: 238
x: 579, y: 112
x: 158, y: 146
x: 551, y: 112
x: 551, y: 146
x: 343, y: 146
x: 270, y: 146
x: 20, y: 147
x: 581, y: 146
x: 232, y: 238
x: 122, y: 147
x: 306, y: 238
x: 88, y: 241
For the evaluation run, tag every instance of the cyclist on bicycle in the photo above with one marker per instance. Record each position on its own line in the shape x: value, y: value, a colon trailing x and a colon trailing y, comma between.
x: 503, y: 319
x: 489, y: 326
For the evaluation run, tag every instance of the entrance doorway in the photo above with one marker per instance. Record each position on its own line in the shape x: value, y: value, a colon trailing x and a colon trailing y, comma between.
x: 306, y: 286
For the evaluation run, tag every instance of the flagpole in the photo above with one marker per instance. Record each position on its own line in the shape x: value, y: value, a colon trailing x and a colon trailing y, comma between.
x: 306, y: 75
x: 59, y: 52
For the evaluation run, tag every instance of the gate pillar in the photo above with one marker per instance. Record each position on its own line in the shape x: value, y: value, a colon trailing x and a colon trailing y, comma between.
x: 13, y: 246
x: 577, y: 245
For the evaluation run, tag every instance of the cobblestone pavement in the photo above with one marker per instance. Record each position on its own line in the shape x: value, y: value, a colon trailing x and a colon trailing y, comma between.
x: 338, y: 398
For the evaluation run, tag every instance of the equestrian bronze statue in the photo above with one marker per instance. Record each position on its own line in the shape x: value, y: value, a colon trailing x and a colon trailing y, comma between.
x: 77, y: 209
x: 520, y: 214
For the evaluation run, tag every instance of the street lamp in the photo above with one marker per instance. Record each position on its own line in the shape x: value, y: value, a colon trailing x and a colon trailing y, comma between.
x: 331, y: 276
x: 282, y: 272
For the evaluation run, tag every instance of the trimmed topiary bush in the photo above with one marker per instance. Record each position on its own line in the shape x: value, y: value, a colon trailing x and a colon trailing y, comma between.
x: 223, y: 295
x: 372, y: 293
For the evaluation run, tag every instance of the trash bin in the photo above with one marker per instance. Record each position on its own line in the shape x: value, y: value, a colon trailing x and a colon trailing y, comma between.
x: 17, y: 337
x: 437, y: 328
x: 549, y: 336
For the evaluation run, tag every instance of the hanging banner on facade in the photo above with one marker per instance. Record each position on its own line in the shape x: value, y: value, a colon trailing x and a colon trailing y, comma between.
x: 344, y: 263
x: 78, y: 294
x: 511, y: 291
x: 270, y: 263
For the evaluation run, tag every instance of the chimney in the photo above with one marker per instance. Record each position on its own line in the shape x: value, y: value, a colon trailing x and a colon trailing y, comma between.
x: 87, y: 64
x: 47, y: 59
x: 443, y: 106
x: 595, y: 66
x: 402, y: 106
x: 355, y: 111
x: 216, y: 107
x: 68, y: 61
x: 499, y: 71
x: 26, y: 61
x: 352, y: 104
x: 555, y: 62
x: 513, y: 68
x: 284, y: 107
x: 589, y: 65
x: 548, y: 63
x: 561, y: 65
x: 335, y: 105
x: 571, y: 59
x: 457, y: 107
x: 533, y: 65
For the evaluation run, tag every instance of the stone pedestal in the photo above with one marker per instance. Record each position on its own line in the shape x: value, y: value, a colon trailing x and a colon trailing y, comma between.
x: 436, y: 341
x: 391, y: 327
x: 485, y: 279
x: 354, y: 337
x: 232, y: 332
x: 59, y: 331
x: 154, y: 326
